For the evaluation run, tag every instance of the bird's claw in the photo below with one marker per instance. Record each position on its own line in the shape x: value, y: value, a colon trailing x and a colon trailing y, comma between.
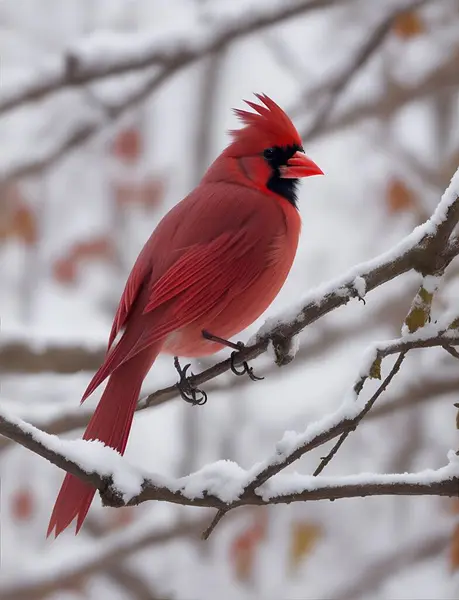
x: 245, y: 366
x: 238, y: 346
x: 190, y: 394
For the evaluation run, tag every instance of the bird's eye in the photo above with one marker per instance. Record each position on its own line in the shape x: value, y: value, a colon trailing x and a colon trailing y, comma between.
x: 268, y: 153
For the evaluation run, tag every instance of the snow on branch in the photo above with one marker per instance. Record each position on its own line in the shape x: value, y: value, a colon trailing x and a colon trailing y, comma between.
x: 161, y: 57
x: 428, y: 250
x: 224, y: 484
x: 112, y: 55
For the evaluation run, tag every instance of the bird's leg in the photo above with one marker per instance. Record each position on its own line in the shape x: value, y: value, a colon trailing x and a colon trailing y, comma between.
x: 190, y: 394
x: 237, y: 347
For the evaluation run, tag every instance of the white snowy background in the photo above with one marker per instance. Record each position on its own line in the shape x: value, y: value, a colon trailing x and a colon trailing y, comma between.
x: 388, y: 149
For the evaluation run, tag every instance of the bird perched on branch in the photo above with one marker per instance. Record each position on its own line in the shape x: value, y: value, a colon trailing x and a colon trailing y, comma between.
x: 212, y: 266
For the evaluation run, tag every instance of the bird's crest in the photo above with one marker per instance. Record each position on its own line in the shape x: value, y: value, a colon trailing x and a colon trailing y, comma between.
x: 268, y: 126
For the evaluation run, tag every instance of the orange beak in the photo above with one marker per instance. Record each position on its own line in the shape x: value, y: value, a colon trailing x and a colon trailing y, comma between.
x: 300, y: 166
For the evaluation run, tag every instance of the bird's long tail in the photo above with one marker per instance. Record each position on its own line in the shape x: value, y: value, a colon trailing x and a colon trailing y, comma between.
x: 111, y: 424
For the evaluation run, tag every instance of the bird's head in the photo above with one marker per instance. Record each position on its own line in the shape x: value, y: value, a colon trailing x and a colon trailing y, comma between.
x: 269, y: 149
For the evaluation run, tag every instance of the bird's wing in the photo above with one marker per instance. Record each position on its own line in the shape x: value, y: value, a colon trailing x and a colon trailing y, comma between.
x: 205, y: 277
x: 137, y: 278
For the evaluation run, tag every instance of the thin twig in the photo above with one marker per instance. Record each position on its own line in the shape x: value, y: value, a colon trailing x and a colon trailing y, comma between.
x: 451, y: 350
x: 336, y: 88
x: 215, y: 521
x: 368, y: 406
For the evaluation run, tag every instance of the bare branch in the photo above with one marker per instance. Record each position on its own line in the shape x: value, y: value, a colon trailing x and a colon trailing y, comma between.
x: 445, y: 77
x: 334, y: 89
x: 22, y: 357
x: 83, y: 132
x: 104, y: 554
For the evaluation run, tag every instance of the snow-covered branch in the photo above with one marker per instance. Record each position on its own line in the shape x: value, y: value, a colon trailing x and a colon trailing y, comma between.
x: 427, y: 250
x: 224, y: 484
x: 161, y: 58
x: 112, y: 55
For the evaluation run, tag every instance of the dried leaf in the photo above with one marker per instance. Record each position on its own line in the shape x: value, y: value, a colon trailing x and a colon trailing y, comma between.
x: 244, y: 547
x: 128, y: 145
x: 408, y: 25
x: 375, y: 369
x: 99, y: 247
x: 149, y: 193
x: 22, y: 504
x: 400, y: 197
x: 65, y: 270
x: 304, y: 538
x: 19, y: 221
x: 419, y: 313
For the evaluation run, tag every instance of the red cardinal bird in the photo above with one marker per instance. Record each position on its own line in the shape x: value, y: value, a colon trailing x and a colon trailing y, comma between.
x: 215, y: 262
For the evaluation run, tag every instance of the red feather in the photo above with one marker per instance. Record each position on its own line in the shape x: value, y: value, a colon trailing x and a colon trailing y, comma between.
x: 216, y: 261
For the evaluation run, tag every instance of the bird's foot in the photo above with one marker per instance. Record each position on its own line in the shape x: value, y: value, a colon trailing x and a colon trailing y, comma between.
x: 190, y: 394
x: 237, y: 347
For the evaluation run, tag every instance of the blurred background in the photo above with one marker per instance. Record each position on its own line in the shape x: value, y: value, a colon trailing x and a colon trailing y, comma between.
x: 86, y: 172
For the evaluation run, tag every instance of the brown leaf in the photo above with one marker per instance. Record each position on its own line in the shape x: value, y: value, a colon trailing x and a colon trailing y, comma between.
x: 22, y: 504
x: 25, y: 225
x: 65, y: 270
x: 128, y: 145
x: 149, y: 193
x: 304, y: 538
x: 408, y: 25
x: 244, y: 547
x: 400, y: 197
x: 99, y: 247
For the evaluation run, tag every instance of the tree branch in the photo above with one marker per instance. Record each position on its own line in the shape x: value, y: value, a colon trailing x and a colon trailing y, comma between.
x: 420, y: 251
x: 177, y: 59
x: 332, y: 92
x: 21, y: 356
x: 224, y: 485
x: 99, y: 59
x: 104, y: 554
x: 368, y: 406
x: 445, y: 77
